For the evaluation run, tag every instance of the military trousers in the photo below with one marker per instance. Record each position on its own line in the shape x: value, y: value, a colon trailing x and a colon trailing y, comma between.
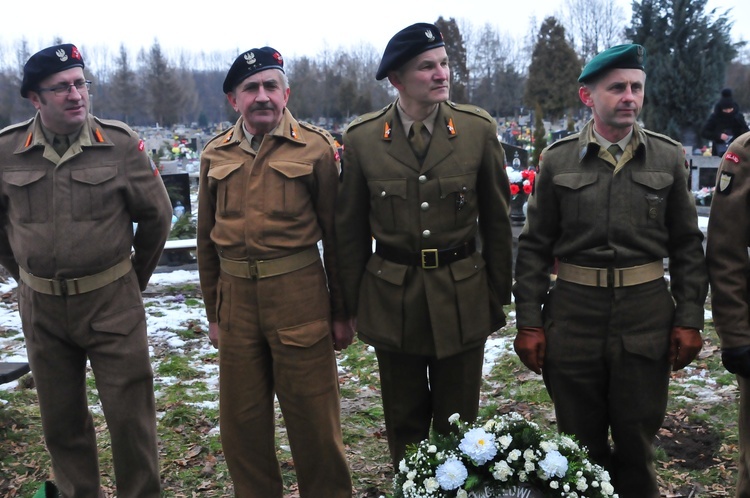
x: 107, y: 327
x: 275, y: 339
x: 743, y: 477
x: 423, y: 391
x: 607, y: 372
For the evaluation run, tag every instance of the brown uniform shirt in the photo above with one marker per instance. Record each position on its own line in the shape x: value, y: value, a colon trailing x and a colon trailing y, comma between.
x: 727, y: 246
x: 268, y: 204
x: 73, y: 216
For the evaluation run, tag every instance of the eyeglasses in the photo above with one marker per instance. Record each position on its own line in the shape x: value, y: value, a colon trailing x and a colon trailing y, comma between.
x: 64, y: 89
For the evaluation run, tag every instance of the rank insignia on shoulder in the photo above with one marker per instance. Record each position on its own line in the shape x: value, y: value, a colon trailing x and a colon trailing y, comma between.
x: 141, y: 145
x: 292, y: 131
x: 387, y: 130
x: 451, y: 128
x: 731, y: 156
x: 725, y: 182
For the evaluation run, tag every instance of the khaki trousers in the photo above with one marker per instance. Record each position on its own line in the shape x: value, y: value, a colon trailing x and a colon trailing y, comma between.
x: 419, y: 391
x: 275, y: 339
x: 607, y: 372
x: 107, y: 327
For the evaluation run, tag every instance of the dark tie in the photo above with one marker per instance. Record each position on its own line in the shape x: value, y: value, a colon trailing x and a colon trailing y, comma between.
x: 60, y: 144
x: 614, y: 150
x: 255, y: 142
x: 416, y: 139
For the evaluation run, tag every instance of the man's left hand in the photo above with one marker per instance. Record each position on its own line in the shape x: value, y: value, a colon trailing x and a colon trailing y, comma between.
x: 343, y: 334
x: 684, y: 345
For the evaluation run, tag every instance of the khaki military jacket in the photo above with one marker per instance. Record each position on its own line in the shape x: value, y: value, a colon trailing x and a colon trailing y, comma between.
x: 727, y: 246
x: 461, y: 190
x: 584, y: 213
x: 73, y: 216
x: 265, y: 205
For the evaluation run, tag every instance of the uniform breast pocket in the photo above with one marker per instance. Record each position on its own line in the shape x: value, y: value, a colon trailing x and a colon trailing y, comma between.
x: 91, y: 192
x: 287, y: 188
x: 388, y: 202
x: 648, y: 202
x: 29, y: 193
x: 458, y: 201
x: 579, y: 200
x: 228, y: 184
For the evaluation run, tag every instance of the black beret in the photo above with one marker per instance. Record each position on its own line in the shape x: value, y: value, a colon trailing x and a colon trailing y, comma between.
x: 49, y: 61
x: 618, y: 57
x: 251, y: 62
x: 407, y: 43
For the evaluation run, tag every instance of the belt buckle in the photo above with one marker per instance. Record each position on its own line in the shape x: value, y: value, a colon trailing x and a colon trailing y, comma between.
x: 63, y: 287
x: 252, y: 268
x: 426, y: 255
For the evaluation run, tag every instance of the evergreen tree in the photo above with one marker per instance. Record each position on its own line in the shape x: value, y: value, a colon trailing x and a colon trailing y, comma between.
x: 553, y: 73
x: 540, y: 135
x: 454, y: 47
x: 164, y: 92
x: 124, y: 93
x: 687, y: 55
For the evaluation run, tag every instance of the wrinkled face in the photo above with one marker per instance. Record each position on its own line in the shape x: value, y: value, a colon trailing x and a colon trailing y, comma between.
x: 64, y: 113
x: 261, y: 99
x: 615, y: 99
x: 424, y: 79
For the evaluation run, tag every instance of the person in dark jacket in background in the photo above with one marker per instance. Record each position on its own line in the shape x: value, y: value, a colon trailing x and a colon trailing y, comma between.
x: 725, y: 123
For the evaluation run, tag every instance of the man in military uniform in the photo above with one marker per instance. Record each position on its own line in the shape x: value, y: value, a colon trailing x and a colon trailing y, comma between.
x: 267, y: 195
x: 418, y: 174
x: 73, y: 185
x: 611, y: 202
x: 727, y: 257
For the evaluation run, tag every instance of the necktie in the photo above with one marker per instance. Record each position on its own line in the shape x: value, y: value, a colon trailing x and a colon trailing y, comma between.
x: 60, y: 144
x: 416, y: 139
x: 614, y: 151
x: 255, y: 142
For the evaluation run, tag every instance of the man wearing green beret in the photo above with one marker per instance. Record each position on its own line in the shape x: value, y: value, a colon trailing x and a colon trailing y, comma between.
x: 611, y: 203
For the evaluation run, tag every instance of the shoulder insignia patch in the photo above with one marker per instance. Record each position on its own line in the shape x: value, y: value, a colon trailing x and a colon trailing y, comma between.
x: 451, y: 128
x: 386, y: 130
x: 725, y: 182
x: 141, y: 145
x: 731, y: 156
x: 153, y: 167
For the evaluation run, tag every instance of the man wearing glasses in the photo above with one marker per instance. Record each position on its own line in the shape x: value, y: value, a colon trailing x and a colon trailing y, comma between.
x: 72, y: 187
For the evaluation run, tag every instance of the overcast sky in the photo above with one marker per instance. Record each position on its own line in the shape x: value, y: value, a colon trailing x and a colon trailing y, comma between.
x: 293, y: 27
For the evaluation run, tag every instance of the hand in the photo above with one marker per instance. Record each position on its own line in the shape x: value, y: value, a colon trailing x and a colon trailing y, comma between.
x: 530, y: 345
x: 737, y: 360
x: 343, y: 333
x: 684, y: 345
x: 213, y: 334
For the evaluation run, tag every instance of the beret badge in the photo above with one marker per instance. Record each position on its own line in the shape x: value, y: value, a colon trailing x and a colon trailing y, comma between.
x: 429, y: 35
x: 250, y: 58
x: 62, y: 55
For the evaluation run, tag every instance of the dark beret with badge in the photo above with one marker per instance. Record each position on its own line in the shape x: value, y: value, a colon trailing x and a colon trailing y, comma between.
x: 47, y: 62
x: 251, y: 62
x: 407, y: 43
x: 628, y: 56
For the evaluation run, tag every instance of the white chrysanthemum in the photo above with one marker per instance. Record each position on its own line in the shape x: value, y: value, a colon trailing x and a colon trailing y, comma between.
x: 581, y: 484
x: 402, y: 467
x: 505, y: 441
x: 523, y: 476
x: 554, y: 484
x: 566, y: 488
x: 554, y: 464
x: 607, y: 488
x: 529, y: 466
x: 432, y: 449
x: 451, y: 474
x: 408, y: 485
x: 411, y: 475
x: 479, y: 445
x: 454, y: 418
x: 567, y: 442
x: 513, y: 175
x: 529, y: 454
x: 514, y: 455
x: 462, y: 494
x: 594, y: 484
x: 548, y: 446
x: 431, y: 485
x: 502, y: 471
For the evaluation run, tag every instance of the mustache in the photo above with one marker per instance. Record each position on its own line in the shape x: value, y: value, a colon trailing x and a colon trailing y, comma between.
x: 265, y: 106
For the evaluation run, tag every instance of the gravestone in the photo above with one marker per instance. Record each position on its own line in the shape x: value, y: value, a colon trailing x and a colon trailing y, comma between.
x: 516, y: 157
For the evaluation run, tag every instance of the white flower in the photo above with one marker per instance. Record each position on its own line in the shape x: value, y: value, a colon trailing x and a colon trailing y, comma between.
x: 566, y: 488
x: 514, y: 455
x: 554, y: 464
x: 431, y: 485
x: 607, y: 488
x: 548, y: 446
x: 505, y: 441
x: 451, y: 474
x: 402, y: 467
x: 581, y: 484
x: 454, y: 418
x: 479, y: 445
x: 408, y: 485
x: 462, y: 494
x: 432, y: 449
x: 529, y: 454
x: 502, y: 471
x: 411, y: 475
x: 554, y: 484
x: 529, y: 466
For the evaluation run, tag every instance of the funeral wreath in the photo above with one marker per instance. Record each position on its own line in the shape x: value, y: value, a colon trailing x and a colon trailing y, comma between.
x: 505, y: 456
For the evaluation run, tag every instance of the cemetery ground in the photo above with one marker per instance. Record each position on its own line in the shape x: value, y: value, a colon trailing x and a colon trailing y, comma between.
x: 696, y: 448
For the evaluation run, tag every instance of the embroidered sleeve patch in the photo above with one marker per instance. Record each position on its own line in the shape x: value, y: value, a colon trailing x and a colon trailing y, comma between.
x: 731, y: 156
x: 725, y: 182
x: 141, y: 145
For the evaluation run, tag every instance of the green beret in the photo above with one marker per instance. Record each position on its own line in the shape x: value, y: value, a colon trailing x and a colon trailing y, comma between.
x: 618, y: 57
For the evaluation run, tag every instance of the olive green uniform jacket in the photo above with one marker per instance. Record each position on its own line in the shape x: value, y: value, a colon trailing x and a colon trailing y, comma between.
x: 582, y: 213
x: 388, y: 195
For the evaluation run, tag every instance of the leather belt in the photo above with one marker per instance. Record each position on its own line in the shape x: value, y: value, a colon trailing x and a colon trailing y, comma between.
x: 75, y: 286
x: 264, y: 268
x: 610, y: 277
x: 426, y: 258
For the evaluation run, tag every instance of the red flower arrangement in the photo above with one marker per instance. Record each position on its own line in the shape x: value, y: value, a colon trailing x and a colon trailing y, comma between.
x: 521, y: 181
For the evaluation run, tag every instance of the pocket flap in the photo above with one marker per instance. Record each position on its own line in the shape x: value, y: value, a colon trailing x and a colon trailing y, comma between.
x: 458, y: 183
x: 386, y: 270
x: 465, y: 268
x: 574, y: 180
x: 221, y: 171
x: 291, y: 169
x: 21, y: 178
x: 305, y: 335
x: 94, y: 176
x: 386, y: 188
x: 656, y: 180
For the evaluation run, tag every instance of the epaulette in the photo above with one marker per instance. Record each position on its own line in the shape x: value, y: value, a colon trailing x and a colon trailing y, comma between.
x: 12, y: 127
x: 118, y: 125
x: 660, y: 136
x: 225, y: 135
x: 317, y: 129
x: 563, y: 140
x: 471, y: 109
x: 369, y: 116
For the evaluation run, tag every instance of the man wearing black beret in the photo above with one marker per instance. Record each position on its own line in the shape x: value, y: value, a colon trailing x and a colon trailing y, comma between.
x: 73, y: 185
x: 611, y: 203
x: 275, y: 311
x: 418, y: 174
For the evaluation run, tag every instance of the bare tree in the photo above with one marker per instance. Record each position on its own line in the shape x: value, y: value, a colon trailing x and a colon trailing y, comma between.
x: 594, y: 25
